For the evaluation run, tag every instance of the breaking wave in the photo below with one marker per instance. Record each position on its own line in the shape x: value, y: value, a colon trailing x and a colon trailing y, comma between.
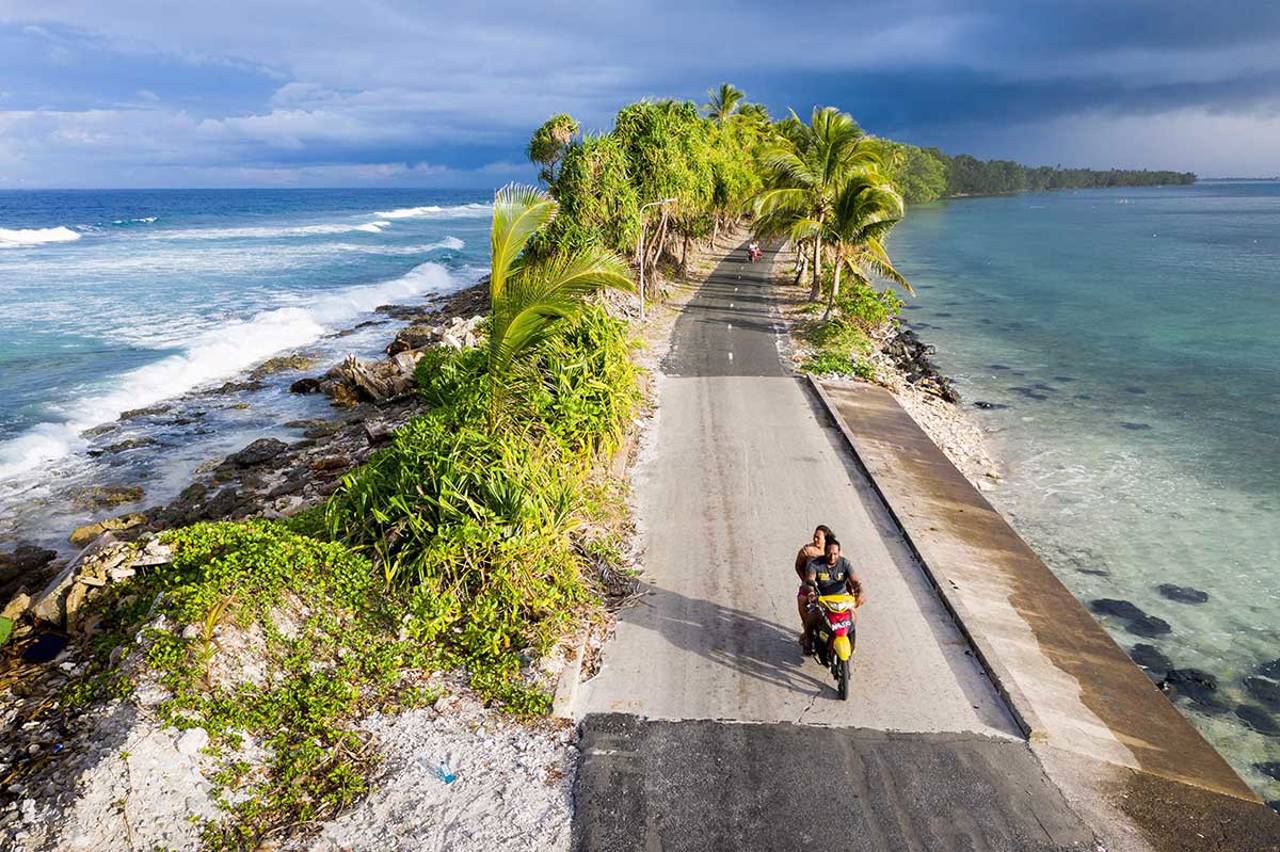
x: 268, y: 232
x: 456, y: 211
x: 447, y: 244
x: 14, y: 238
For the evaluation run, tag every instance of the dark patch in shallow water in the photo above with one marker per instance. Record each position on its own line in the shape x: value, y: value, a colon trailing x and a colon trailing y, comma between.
x: 1149, y: 626
x: 1151, y: 658
x: 1183, y: 594
x: 1135, y: 427
x: 1135, y: 389
x: 1137, y: 621
x: 1116, y: 608
x: 1271, y: 669
x: 1083, y: 396
x: 1094, y: 572
x: 1198, y: 687
x: 1258, y: 719
x: 996, y: 367
x: 1267, y: 692
x: 1271, y: 768
x: 989, y: 406
x: 1063, y: 379
x: 1029, y: 393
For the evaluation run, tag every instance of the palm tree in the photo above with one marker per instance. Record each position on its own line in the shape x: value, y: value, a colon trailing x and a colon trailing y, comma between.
x: 865, y: 211
x: 723, y: 102
x: 807, y: 171
x: 529, y: 297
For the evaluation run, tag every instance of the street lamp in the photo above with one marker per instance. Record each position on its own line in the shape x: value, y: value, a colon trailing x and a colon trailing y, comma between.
x: 640, y: 247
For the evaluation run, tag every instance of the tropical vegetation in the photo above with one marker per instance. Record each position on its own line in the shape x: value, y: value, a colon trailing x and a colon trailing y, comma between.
x: 473, y: 542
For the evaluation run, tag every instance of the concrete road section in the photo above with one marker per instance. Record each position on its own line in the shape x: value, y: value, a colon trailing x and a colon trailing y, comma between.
x: 743, y: 468
x: 712, y: 786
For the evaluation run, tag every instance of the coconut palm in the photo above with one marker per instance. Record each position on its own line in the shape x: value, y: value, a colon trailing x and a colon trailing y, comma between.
x: 723, y: 102
x: 865, y: 211
x: 806, y: 172
x: 529, y: 297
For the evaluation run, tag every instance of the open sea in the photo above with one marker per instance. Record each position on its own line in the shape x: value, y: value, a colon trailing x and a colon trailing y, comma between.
x: 1127, y: 343
x: 120, y: 301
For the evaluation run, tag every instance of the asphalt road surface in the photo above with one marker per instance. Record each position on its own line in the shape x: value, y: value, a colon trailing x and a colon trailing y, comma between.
x: 743, y: 468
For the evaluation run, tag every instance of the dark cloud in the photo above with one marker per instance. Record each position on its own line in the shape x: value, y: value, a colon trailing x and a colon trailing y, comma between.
x: 89, y: 90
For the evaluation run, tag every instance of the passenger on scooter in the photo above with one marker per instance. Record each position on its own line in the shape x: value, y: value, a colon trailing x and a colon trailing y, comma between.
x: 830, y: 574
x: 812, y: 549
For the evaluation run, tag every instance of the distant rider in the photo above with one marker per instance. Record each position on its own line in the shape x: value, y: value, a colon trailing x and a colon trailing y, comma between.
x: 830, y: 574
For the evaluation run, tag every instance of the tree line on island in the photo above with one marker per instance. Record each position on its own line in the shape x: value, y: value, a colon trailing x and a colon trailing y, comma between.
x: 927, y: 174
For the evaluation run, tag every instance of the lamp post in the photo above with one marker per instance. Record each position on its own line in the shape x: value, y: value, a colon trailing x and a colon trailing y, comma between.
x: 640, y: 247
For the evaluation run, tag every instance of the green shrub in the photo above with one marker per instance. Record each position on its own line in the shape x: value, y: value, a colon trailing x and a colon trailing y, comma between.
x: 867, y: 307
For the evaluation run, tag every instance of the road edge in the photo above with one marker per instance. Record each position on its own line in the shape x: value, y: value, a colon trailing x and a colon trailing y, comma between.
x: 1018, y: 705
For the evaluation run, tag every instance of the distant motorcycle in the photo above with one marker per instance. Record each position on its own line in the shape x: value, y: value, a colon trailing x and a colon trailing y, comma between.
x: 832, y: 636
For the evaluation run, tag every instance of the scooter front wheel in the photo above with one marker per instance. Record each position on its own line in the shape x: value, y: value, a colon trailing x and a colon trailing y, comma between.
x: 842, y: 679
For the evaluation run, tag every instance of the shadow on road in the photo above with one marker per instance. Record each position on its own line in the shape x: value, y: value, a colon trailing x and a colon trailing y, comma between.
x: 733, y: 638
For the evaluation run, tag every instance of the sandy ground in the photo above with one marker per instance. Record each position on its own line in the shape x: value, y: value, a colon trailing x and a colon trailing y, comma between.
x: 512, y: 790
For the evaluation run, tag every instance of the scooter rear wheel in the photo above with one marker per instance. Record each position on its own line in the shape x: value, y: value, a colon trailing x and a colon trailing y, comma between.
x: 842, y: 680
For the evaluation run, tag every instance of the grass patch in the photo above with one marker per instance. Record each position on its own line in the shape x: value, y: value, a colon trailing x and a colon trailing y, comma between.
x: 842, y: 342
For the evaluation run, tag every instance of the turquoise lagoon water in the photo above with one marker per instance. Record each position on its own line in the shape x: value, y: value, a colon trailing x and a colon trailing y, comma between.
x: 124, y: 300
x: 1132, y: 337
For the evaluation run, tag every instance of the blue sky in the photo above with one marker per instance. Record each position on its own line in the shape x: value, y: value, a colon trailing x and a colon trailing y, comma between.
x: 382, y: 92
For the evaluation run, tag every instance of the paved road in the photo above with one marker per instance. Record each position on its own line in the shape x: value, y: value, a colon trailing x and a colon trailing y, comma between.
x: 712, y: 786
x: 743, y: 467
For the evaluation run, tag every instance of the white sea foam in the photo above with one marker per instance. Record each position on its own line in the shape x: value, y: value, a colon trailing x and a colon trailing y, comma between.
x: 457, y: 211
x: 447, y: 244
x: 17, y: 237
x: 211, y: 356
x: 270, y: 232
x: 145, y: 220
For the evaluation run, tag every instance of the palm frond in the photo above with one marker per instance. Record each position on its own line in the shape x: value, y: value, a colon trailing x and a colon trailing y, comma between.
x: 518, y: 212
x: 875, y: 259
x: 540, y: 294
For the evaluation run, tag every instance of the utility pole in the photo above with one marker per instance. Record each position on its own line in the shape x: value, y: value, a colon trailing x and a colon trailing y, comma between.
x: 640, y: 247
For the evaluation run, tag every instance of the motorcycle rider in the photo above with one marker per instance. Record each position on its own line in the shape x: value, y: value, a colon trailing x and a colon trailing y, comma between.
x: 830, y: 574
x: 812, y: 549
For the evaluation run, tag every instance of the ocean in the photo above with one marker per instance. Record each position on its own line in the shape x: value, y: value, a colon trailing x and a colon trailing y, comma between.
x: 150, y: 301
x: 1121, y: 348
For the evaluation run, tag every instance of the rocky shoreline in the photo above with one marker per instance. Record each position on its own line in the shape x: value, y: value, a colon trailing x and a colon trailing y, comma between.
x: 269, y: 477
